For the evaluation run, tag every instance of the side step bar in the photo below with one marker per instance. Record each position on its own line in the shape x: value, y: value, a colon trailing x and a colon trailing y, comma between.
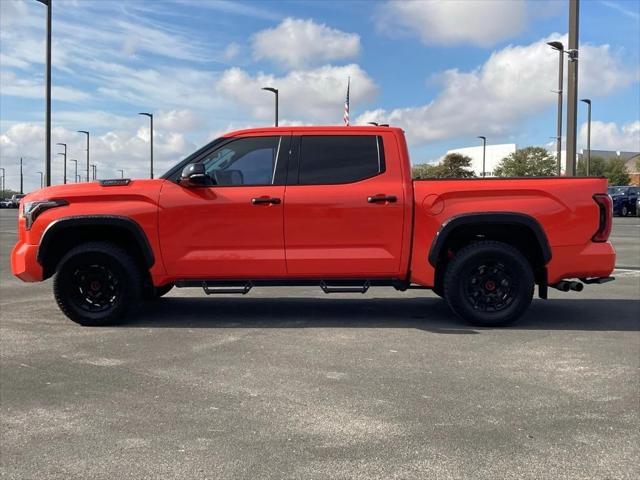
x: 330, y: 285
x: 241, y: 288
x: 345, y: 288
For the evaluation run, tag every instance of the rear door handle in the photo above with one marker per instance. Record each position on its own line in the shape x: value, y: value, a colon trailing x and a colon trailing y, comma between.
x: 265, y: 201
x: 382, y: 199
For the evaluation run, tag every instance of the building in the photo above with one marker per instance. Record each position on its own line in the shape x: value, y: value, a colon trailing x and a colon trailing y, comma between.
x: 494, y: 154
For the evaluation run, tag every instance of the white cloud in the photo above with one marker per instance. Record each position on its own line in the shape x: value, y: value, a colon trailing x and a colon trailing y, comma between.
x: 14, y: 86
x: 116, y: 149
x: 454, y: 22
x: 514, y: 84
x: 231, y: 51
x: 306, y: 95
x: 300, y: 43
x: 609, y: 136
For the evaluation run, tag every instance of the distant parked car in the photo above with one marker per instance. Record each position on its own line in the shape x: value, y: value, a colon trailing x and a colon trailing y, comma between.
x: 15, y: 200
x: 638, y: 207
x: 625, y: 200
x: 5, y: 203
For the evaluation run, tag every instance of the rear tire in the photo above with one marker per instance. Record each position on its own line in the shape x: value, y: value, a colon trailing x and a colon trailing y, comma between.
x: 489, y: 284
x: 96, y: 283
x: 625, y: 211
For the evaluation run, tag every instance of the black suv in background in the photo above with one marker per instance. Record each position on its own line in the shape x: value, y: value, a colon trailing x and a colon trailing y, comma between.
x: 625, y: 199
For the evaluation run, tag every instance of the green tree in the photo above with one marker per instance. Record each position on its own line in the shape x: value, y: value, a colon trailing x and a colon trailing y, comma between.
x: 527, y: 162
x: 456, y: 165
x: 453, y: 165
x: 638, y: 164
x: 424, y: 170
x: 616, y: 172
x: 596, y: 168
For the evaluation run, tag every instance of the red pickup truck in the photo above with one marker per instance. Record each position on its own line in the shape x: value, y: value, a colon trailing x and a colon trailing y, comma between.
x: 329, y: 206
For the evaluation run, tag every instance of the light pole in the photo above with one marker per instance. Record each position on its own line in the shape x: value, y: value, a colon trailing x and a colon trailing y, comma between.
x: 2, y: 184
x: 121, y: 173
x: 560, y: 48
x: 484, y: 153
x: 64, y: 176
x: 21, y: 178
x: 47, y: 154
x: 572, y: 90
x: 78, y: 178
x: 94, y: 171
x: 75, y: 176
x: 275, y: 91
x: 87, y: 134
x: 588, y: 102
x: 41, y: 179
x: 150, y: 115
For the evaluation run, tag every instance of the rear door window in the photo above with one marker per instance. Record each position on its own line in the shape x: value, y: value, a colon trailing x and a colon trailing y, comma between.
x: 326, y: 159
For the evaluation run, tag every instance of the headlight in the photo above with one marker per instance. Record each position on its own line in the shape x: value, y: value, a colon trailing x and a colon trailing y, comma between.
x: 31, y: 210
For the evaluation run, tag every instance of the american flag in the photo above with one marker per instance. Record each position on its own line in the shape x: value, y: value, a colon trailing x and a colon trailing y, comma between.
x: 346, y: 105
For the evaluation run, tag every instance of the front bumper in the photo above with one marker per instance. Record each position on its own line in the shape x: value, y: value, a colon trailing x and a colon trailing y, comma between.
x: 24, y: 262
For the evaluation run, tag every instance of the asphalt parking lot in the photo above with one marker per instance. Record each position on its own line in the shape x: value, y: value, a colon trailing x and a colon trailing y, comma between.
x: 291, y: 383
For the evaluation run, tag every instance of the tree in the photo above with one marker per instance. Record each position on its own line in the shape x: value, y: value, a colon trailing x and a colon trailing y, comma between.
x: 453, y: 165
x: 527, y: 162
x: 597, y: 167
x: 425, y: 170
x: 616, y: 172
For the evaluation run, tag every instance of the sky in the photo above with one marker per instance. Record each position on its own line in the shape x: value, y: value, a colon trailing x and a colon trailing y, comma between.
x: 445, y: 72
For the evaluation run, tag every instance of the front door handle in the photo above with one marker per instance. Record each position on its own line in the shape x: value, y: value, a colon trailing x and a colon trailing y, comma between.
x: 382, y: 199
x: 265, y: 201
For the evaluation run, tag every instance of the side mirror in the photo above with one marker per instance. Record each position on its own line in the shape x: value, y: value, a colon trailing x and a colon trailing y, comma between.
x: 193, y: 175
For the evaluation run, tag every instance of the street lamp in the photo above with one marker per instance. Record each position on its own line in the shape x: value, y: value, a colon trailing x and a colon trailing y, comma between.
x: 21, y: 177
x: 484, y: 153
x: 41, y: 179
x: 275, y: 91
x: 87, y: 134
x: 94, y: 171
x: 75, y: 176
x: 560, y: 48
x: 2, y: 184
x: 47, y: 158
x: 588, y: 102
x: 121, y: 173
x: 64, y: 176
x: 150, y: 115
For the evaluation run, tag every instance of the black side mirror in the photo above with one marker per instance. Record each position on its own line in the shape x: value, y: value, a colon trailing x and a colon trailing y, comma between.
x: 193, y: 175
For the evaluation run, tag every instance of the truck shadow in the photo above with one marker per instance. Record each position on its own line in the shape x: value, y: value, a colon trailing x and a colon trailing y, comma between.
x: 428, y: 314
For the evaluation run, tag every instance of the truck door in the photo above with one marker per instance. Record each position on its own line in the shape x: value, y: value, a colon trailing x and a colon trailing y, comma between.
x: 233, y: 227
x: 344, y: 206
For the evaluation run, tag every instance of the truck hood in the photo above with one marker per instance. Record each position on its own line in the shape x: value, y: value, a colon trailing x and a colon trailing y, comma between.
x: 94, y: 191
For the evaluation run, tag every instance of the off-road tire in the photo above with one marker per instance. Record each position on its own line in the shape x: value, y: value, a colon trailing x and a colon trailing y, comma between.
x: 96, y: 283
x: 489, y: 284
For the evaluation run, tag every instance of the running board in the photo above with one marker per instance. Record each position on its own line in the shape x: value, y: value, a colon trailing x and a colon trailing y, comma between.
x: 240, y: 289
x: 345, y: 288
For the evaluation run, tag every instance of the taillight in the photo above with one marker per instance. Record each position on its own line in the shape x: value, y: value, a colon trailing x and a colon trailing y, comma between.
x: 605, y: 206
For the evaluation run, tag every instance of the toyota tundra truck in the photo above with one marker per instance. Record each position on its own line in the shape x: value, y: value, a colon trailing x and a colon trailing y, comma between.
x: 334, y: 207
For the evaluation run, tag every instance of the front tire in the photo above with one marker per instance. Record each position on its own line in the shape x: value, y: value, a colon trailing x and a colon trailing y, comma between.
x: 625, y: 211
x: 95, y: 284
x: 489, y: 284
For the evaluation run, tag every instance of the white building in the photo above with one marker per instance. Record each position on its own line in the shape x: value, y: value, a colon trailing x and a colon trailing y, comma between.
x: 494, y: 154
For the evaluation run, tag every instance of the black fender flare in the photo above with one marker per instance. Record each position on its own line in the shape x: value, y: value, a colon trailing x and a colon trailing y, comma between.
x: 488, y: 218
x: 55, y: 228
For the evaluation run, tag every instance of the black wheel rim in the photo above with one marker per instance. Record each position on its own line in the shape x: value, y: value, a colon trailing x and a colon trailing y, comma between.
x: 95, y: 288
x: 491, y: 286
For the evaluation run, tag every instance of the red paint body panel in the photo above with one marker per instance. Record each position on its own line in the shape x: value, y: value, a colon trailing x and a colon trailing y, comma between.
x: 325, y: 231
